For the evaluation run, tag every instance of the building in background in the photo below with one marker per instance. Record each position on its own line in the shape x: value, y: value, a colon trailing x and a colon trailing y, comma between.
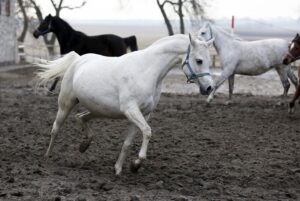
x: 8, y: 38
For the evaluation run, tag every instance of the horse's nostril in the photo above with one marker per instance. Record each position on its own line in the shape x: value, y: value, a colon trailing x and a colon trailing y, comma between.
x: 208, y: 89
x: 285, y: 61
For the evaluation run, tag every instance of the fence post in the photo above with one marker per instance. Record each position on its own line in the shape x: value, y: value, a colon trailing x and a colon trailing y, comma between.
x: 21, y: 53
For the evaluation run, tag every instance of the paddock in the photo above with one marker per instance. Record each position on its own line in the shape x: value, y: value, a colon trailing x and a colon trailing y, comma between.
x: 245, y: 151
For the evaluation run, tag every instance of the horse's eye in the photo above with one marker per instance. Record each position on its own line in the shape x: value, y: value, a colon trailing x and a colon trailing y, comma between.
x: 199, y: 61
x: 202, y: 33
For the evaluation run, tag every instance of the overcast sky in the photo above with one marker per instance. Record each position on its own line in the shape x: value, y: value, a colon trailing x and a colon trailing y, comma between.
x: 148, y: 9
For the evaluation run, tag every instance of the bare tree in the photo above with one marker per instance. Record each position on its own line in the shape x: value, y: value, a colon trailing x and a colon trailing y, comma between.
x: 181, y: 7
x: 33, y: 4
x: 22, y: 10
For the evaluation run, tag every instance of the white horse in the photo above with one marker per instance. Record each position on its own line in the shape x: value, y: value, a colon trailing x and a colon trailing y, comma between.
x: 123, y: 87
x: 247, y: 57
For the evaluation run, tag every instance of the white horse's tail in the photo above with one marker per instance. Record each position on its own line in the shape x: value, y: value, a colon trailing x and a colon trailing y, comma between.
x: 56, y: 68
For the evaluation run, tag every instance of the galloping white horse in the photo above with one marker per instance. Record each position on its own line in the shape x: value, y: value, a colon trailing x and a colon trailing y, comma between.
x: 247, y: 57
x: 123, y: 87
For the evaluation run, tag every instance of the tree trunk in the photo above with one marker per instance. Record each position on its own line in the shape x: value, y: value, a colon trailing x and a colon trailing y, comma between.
x: 25, y: 23
x: 180, y: 14
x: 49, y: 42
x: 167, y: 21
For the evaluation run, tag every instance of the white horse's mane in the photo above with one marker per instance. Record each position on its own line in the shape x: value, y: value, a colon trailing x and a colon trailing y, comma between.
x: 230, y: 35
x: 167, y: 39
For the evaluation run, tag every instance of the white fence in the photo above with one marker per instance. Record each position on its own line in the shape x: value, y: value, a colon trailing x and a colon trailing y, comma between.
x: 28, y: 53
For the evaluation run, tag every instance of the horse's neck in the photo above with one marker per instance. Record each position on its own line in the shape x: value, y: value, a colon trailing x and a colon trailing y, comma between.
x: 166, y: 54
x: 63, y: 32
x: 222, y: 39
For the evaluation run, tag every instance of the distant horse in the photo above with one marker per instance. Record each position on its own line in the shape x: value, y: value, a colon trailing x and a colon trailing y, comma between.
x: 123, y: 87
x: 247, y: 57
x: 292, y: 55
x: 72, y: 40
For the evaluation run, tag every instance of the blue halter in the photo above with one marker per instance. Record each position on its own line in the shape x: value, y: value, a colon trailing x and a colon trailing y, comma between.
x: 193, y: 76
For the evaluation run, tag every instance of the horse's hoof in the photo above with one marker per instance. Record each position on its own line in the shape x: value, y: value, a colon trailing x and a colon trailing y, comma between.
x: 135, y: 166
x: 118, y: 172
x: 291, y: 107
x: 84, y: 146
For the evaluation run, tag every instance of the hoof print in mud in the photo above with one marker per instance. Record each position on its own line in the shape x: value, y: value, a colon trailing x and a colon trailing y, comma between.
x: 84, y: 146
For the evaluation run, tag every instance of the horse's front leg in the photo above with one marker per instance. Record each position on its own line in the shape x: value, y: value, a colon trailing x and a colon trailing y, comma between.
x: 128, y: 141
x: 292, y: 76
x: 296, y: 96
x: 133, y: 113
x: 283, y: 74
x: 224, y: 76
x: 231, y: 86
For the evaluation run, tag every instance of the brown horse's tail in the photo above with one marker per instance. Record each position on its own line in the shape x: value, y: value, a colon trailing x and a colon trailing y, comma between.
x: 131, y: 43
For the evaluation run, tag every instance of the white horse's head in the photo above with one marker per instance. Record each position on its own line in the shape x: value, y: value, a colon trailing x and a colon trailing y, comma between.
x: 205, y: 32
x: 196, y: 65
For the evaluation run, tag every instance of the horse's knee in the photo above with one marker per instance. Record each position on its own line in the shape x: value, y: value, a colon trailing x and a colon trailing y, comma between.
x: 286, y: 85
x: 147, y: 132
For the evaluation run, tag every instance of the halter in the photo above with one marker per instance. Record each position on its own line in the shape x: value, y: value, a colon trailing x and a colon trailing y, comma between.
x: 47, y: 30
x: 290, y: 54
x: 193, y: 76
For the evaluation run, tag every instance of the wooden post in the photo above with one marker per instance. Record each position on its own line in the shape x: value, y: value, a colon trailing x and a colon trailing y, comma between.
x: 232, y: 24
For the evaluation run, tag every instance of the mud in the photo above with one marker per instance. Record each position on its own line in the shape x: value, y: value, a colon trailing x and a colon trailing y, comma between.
x: 248, y: 150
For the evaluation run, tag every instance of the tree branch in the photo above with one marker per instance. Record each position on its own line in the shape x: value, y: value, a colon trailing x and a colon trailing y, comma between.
x: 74, y: 7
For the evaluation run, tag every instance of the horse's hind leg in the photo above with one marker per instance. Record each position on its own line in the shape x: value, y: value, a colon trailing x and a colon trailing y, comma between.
x: 82, y: 119
x: 54, y: 84
x: 65, y: 105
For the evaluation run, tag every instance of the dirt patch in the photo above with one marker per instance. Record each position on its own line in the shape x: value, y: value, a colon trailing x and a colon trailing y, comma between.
x: 245, y: 151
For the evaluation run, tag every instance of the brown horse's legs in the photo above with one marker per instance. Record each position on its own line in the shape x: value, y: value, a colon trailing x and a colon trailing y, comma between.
x: 296, y: 95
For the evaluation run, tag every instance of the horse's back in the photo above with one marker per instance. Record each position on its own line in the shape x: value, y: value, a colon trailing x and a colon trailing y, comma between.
x: 257, y: 57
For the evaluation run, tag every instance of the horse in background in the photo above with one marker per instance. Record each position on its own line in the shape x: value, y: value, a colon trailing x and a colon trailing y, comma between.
x: 247, y: 57
x: 72, y: 40
x: 292, y: 55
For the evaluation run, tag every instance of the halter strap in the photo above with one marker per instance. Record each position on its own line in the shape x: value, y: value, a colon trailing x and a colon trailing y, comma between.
x: 291, y: 55
x: 47, y: 30
x: 295, y: 58
x: 193, y: 75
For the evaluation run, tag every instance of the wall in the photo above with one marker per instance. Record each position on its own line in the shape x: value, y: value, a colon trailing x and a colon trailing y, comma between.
x: 8, y: 38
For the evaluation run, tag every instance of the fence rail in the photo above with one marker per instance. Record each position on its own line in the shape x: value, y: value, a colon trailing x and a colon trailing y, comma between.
x: 28, y: 53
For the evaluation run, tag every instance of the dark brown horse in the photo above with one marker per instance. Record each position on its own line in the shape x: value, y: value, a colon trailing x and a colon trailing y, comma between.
x: 72, y: 40
x: 293, y: 55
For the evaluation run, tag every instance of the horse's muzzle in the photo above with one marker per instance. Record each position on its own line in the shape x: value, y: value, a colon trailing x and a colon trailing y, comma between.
x: 207, y: 91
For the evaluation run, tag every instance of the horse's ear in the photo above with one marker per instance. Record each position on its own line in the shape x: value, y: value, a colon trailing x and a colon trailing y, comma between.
x: 192, y: 40
x: 297, y: 35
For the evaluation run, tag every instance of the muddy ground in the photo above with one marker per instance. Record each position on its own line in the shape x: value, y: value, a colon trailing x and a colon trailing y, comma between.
x: 245, y: 151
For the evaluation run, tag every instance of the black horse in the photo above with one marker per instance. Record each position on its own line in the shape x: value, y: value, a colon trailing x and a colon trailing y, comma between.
x: 72, y: 40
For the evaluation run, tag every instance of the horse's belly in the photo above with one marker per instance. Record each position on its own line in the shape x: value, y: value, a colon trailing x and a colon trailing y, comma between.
x: 101, y: 108
x: 103, y: 101
x: 251, y: 70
